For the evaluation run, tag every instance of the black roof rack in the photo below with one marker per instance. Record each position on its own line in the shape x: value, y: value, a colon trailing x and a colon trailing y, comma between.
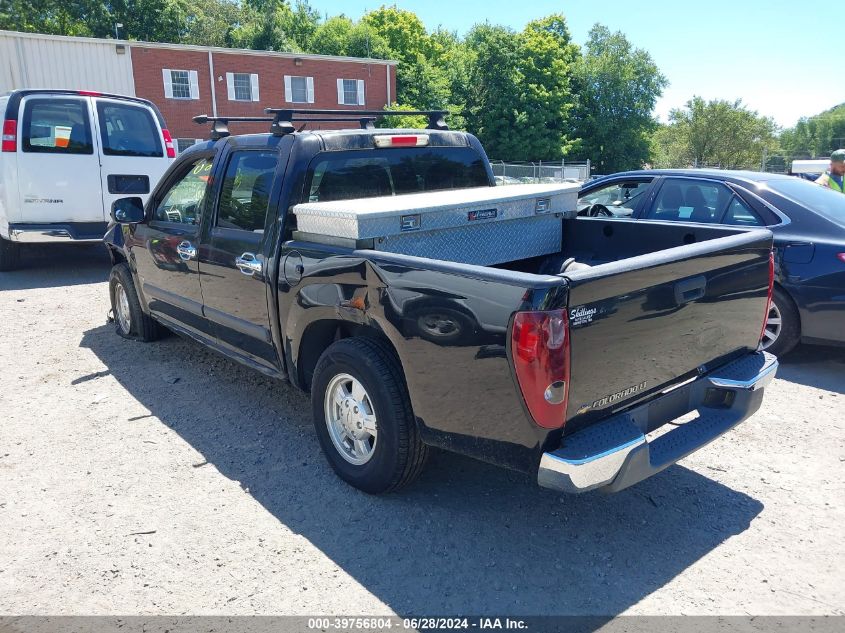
x: 283, y: 118
x: 220, y: 124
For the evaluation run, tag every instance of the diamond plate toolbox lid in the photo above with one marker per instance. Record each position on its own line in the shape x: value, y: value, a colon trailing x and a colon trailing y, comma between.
x: 384, y: 216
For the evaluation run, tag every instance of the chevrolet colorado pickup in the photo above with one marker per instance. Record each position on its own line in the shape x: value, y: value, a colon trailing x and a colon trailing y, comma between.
x: 575, y: 374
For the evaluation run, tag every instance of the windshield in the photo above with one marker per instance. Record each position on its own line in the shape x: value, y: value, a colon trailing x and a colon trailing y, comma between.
x: 393, y: 172
x: 830, y: 204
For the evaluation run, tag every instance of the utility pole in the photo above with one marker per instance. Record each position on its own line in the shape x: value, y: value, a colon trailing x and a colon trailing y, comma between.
x: 763, y: 164
x: 117, y: 25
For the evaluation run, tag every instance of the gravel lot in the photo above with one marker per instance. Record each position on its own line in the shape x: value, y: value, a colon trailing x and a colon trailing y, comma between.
x: 162, y: 478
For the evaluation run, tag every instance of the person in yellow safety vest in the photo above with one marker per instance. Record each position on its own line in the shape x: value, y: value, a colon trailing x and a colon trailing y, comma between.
x: 834, y: 178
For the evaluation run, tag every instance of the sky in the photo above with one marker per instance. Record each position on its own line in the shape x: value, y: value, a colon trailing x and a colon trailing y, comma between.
x: 781, y: 58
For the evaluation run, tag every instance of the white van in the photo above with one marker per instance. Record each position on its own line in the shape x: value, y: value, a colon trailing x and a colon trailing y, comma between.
x: 66, y: 155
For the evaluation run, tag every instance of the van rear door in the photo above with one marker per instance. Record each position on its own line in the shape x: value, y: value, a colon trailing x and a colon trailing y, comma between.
x: 133, y: 152
x: 58, y: 166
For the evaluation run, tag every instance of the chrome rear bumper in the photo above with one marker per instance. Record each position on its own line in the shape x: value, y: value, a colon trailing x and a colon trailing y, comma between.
x: 615, y: 453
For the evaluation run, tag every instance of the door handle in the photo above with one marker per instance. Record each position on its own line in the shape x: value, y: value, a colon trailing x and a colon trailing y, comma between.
x: 690, y: 289
x: 249, y: 264
x: 186, y: 251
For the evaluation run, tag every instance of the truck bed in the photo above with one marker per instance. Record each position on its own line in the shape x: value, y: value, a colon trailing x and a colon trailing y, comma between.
x: 659, y: 304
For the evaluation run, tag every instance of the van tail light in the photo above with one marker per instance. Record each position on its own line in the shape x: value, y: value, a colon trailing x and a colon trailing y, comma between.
x: 540, y: 349
x: 10, y: 135
x: 769, y: 299
x: 841, y: 257
x: 168, y: 144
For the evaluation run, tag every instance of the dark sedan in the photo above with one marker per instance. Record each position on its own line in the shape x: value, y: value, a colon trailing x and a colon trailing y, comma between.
x: 808, y: 222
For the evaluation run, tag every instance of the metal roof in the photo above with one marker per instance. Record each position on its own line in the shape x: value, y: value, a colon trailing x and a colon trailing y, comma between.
x: 191, y: 47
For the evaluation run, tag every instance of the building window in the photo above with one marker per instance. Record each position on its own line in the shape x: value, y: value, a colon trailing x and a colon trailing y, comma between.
x: 299, y: 89
x: 242, y: 86
x: 350, y: 91
x: 242, y: 91
x: 180, y: 84
x: 184, y: 143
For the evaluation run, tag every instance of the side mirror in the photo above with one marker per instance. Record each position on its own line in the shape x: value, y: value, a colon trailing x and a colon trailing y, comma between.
x: 128, y: 210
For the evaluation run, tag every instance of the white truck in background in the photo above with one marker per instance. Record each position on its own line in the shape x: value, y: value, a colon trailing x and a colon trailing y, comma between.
x: 66, y: 156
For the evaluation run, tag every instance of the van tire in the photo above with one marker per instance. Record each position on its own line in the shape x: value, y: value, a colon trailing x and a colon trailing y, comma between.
x: 398, y: 453
x: 130, y: 319
x: 10, y: 254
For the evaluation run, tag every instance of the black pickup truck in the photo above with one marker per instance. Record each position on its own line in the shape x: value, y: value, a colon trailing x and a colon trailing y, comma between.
x: 571, y: 374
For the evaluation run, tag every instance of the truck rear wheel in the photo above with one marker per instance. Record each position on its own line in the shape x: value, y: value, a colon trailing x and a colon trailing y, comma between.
x: 363, y: 417
x: 9, y: 255
x: 130, y: 320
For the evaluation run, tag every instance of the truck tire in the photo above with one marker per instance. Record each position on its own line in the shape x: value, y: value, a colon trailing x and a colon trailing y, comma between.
x: 363, y: 417
x: 130, y: 320
x: 783, y: 331
x: 9, y: 255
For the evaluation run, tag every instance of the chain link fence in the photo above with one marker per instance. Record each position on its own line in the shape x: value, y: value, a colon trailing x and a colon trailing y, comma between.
x: 540, y: 172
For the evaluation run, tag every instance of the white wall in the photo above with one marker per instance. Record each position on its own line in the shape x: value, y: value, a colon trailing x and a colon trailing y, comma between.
x: 43, y: 61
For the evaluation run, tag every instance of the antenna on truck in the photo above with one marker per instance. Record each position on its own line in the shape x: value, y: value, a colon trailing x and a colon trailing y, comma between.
x: 220, y: 124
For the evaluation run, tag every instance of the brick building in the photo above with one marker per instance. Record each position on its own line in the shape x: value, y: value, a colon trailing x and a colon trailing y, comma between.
x: 184, y: 81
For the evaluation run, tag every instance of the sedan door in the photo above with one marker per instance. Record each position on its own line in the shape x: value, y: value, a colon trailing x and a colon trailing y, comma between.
x: 699, y: 200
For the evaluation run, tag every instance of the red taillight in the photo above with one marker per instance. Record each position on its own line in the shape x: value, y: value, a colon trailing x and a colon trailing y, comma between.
x: 10, y: 135
x: 540, y: 348
x: 89, y: 93
x: 841, y: 257
x: 168, y: 144
x: 771, y: 289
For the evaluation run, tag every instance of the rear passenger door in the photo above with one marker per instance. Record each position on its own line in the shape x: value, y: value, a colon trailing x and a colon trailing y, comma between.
x: 699, y: 200
x: 233, y: 255
x: 58, y: 167
x: 133, y: 153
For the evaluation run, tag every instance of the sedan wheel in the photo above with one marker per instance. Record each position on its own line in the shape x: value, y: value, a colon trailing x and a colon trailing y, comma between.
x: 774, y: 325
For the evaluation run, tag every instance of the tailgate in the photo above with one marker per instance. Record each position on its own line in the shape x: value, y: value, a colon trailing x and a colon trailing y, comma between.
x: 644, y: 323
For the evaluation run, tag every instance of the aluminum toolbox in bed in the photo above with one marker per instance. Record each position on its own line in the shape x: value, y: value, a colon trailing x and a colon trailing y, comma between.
x: 481, y: 225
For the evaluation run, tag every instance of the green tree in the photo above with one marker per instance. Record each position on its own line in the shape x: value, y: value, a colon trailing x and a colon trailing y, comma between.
x: 715, y: 133
x: 815, y: 136
x: 341, y: 36
x: 618, y: 86
x: 545, y: 71
x: 491, y: 91
x: 212, y: 22
x: 517, y: 92
x: 420, y: 82
x: 54, y: 17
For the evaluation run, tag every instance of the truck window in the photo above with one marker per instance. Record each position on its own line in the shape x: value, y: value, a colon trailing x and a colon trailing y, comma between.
x: 393, y: 172
x: 245, y: 193
x: 182, y: 203
x: 128, y: 130
x: 57, y: 126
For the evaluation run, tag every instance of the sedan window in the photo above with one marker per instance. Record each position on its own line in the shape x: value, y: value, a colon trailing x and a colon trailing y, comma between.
x: 690, y: 200
x: 620, y: 194
x: 830, y: 204
x: 739, y: 214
